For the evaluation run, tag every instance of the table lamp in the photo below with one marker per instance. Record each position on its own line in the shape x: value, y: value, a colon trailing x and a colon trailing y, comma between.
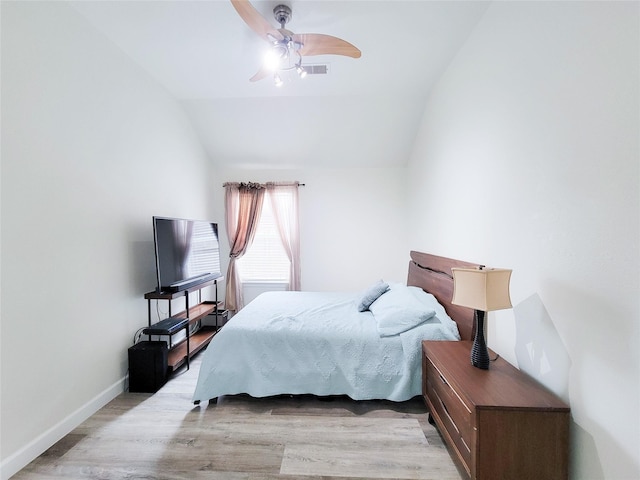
x: 483, y: 289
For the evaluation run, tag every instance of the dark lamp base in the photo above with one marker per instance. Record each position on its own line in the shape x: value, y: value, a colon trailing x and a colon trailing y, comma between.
x: 479, y: 351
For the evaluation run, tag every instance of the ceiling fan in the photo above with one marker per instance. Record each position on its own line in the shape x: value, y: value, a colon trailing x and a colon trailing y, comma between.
x: 288, y: 48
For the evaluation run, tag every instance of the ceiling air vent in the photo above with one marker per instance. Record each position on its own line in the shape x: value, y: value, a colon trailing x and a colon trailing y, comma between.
x: 316, y: 69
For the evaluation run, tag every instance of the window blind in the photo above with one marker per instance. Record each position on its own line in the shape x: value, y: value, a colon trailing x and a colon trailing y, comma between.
x: 266, y: 259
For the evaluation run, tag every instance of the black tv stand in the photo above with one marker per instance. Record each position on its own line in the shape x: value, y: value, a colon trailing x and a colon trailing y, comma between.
x: 169, y: 327
x: 197, y: 336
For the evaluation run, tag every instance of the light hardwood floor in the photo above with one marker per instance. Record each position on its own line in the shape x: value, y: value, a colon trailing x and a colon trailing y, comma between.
x: 164, y: 436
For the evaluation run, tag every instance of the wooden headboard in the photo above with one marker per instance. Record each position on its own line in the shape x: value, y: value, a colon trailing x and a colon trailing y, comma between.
x: 433, y: 275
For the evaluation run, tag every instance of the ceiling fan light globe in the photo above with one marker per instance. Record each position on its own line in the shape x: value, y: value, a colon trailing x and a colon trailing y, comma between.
x: 281, y: 50
x: 272, y: 60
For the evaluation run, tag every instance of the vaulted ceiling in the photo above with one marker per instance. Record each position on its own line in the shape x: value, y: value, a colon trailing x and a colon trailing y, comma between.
x: 364, y: 112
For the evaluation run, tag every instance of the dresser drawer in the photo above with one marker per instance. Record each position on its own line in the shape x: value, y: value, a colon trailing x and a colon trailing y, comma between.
x: 450, y: 409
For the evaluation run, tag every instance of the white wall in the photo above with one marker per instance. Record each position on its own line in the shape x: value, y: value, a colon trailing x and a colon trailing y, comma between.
x: 91, y: 149
x: 352, y: 223
x: 528, y: 158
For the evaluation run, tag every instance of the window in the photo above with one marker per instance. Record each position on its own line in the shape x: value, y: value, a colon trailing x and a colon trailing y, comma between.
x: 269, y: 213
x: 266, y: 259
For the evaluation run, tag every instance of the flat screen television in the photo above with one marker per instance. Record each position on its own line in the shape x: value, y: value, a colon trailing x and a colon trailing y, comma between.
x: 187, y: 253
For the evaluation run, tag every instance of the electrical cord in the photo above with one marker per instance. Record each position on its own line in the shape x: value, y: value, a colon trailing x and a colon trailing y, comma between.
x: 137, y: 335
x: 160, y: 314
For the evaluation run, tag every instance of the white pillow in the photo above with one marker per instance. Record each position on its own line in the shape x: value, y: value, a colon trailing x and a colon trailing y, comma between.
x: 398, y: 310
x: 430, y: 301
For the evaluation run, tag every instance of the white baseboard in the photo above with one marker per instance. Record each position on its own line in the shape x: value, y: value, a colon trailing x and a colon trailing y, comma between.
x: 16, y: 462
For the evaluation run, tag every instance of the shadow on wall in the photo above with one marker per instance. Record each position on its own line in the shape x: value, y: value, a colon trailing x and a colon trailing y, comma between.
x: 541, y: 353
x: 582, y: 444
x: 142, y: 262
x: 539, y: 349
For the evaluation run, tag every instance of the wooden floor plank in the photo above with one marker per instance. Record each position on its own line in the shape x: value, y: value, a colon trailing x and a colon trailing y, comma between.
x: 378, y: 461
x: 164, y: 436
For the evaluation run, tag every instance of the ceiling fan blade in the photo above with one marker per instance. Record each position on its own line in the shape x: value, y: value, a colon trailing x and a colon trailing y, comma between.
x: 319, y: 44
x: 260, y: 74
x: 255, y: 21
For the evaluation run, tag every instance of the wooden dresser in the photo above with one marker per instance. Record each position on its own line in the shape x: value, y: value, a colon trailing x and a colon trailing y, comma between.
x: 499, y: 423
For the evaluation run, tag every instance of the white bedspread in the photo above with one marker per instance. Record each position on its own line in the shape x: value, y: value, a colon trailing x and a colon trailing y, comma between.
x: 315, y: 343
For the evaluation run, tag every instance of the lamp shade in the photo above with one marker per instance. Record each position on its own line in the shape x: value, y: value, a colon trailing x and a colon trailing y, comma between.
x: 481, y: 289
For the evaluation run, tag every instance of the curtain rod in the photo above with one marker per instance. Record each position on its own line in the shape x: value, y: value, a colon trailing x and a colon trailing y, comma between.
x: 284, y: 183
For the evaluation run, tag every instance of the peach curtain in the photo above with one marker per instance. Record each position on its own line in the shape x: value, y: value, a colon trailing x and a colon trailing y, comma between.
x: 243, y: 205
x: 284, y: 202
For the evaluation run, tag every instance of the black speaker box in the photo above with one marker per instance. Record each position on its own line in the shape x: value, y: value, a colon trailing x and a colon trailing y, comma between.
x: 147, y: 366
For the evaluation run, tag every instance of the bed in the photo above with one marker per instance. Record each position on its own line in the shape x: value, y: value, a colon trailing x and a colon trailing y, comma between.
x: 319, y: 343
